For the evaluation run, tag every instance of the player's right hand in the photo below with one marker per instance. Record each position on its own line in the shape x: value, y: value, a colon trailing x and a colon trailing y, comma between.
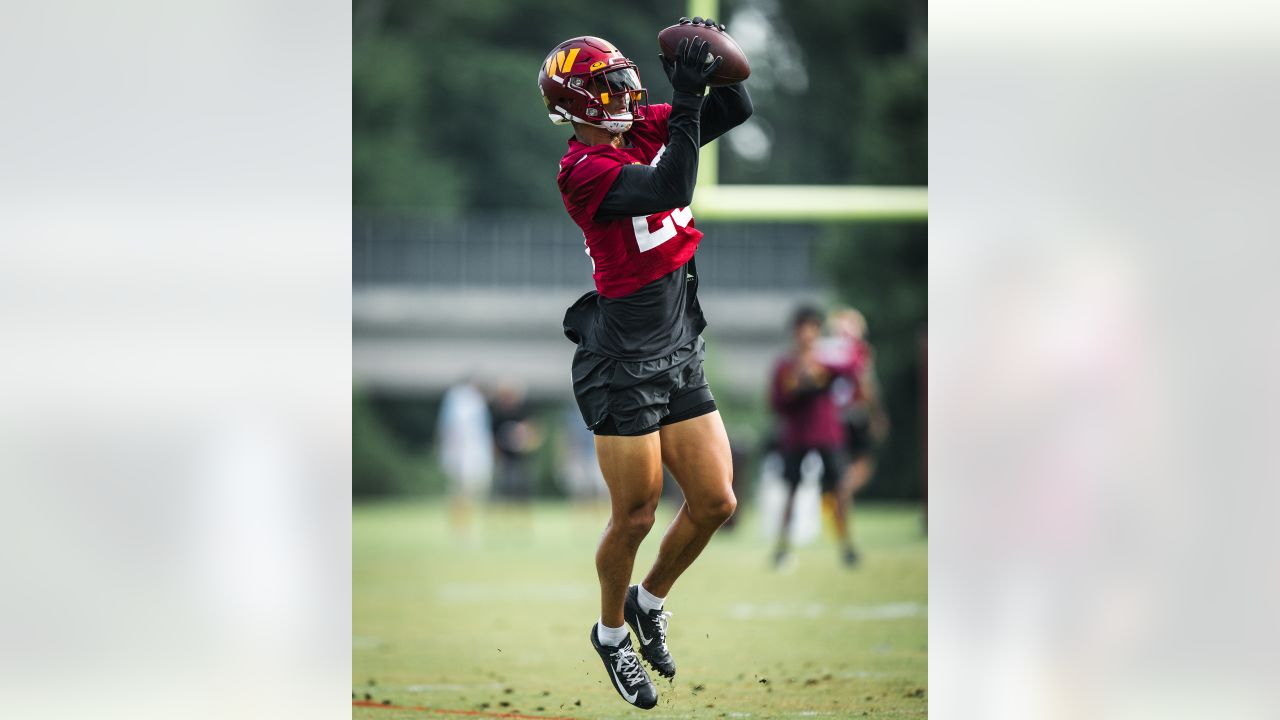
x: 691, y: 69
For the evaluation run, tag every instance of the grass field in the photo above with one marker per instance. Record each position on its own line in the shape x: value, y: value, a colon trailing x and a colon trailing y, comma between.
x: 498, y: 624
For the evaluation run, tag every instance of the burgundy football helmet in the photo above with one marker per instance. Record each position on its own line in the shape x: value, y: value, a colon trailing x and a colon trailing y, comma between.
x: 582, y: 76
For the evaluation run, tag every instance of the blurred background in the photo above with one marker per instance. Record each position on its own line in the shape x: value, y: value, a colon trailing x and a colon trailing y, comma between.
x: 463, y: 257
x: 463, y: 262
x: 180, y: 535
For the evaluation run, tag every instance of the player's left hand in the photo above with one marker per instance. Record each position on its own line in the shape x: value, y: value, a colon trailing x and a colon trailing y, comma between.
x: 704, y: 22
x: 690, y: 72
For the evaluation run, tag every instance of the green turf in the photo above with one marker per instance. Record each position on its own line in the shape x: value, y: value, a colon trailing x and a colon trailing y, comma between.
x: 499, y: 623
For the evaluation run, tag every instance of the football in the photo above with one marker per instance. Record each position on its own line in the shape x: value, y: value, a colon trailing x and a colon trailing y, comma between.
x: 734, y: 69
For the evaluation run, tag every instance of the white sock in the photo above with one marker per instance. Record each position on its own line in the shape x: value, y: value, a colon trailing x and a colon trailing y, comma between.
x: 606, y: 635
x: 648, y: 601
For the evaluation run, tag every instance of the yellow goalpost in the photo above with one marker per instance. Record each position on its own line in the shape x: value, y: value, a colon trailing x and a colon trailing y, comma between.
x: 796, y: 202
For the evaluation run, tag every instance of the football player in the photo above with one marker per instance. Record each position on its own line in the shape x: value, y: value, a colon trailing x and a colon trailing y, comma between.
x: 866, y: 425
x: 627, y: 180
x: 801, y: 395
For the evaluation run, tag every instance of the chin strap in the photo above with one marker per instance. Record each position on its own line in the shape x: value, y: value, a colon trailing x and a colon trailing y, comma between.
x: 619, y: 125
x: 613, y: 127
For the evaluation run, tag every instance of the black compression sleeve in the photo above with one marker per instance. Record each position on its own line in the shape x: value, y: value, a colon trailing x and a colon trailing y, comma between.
x: 644, y: 190
x: 724, y: 109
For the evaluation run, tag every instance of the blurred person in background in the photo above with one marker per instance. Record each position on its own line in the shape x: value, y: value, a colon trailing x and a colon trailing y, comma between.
x: 465, y: 440
x: 800, y: 394
x: 516, y: 437
x: 627, y: 178
x: 857, y: 394
x: 579, y: 475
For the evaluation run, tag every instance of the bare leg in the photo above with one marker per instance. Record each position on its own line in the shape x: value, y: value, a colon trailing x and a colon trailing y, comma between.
x: 784, y: 534
x: 855, y: 477
x: 697, y: 453
x: 632, y: 468
x: 791, y: 465
x: 842, y: 525
x: 834, y: 498
x: 459, y: 514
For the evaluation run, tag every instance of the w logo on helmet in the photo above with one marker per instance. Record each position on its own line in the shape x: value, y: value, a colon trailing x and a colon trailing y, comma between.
x: 561, y: 62
x: 583, y: 73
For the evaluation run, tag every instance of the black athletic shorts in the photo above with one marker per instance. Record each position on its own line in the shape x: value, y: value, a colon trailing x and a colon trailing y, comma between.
x: 857, y: 437
x: 791, y: 461
x: 619, y: 397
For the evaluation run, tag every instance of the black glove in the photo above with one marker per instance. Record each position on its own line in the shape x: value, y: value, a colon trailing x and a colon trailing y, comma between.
x: 691, y: 69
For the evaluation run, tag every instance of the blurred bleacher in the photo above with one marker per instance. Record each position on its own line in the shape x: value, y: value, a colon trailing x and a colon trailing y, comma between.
x: 435, y: 299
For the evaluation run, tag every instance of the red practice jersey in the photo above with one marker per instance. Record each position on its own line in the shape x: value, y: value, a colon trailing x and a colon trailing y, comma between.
x: 626, y: 253
x: 809, y: 417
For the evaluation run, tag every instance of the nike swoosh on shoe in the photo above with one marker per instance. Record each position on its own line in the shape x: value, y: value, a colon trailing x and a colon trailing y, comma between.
x: 640, y: 631
x: 629, y: 697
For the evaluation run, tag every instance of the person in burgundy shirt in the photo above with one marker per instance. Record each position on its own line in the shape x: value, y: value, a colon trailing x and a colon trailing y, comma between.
x: 810, y: 421
x: 627, y: 179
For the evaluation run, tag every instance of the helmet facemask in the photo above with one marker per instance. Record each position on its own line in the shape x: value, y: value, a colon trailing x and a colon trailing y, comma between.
x: 616, y: 98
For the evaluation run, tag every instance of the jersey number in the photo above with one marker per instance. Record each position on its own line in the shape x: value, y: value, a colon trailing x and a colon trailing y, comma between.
x: 649, y: 240
x: 640, y: 223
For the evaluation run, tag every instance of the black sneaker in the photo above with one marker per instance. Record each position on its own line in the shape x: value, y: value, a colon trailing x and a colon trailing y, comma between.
x: 651, y: 629
x: 626, y: 672
x: 850, y: 557
x: 784, y: 561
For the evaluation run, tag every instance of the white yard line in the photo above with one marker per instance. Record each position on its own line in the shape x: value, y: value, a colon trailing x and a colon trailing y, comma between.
x: 816, y: 610
x: 456, y: 593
